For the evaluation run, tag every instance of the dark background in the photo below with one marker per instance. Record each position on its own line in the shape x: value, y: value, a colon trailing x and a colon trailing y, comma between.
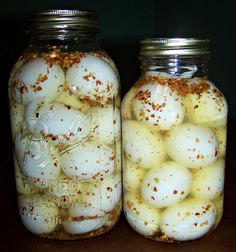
x: 122, y: 23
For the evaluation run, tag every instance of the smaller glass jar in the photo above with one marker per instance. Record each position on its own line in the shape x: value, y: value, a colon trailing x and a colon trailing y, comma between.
x: 174, y: 143
x: 64, y: 95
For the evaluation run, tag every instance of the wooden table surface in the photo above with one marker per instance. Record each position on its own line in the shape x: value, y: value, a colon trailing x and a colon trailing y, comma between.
x: 122, y: 238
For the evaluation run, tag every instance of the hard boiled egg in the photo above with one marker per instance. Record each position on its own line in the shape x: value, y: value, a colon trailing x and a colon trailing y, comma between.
x: 208, y: 108
x: 158, y: 106
x: 166, y: 185
x: 106, y: 124
x: 103, y: 195
x: 142, y: 218
x: 57, y: 122
x: 208, y: 182
x: 142, y: 146
x: 188, y: 220
x: 93, y: 79
x: 88, y: 161
x: 82, y: 225
x: 70, y: 99
x: 38, y: 214
x: 37, y: 159
x: 37, y: 78
x: 192, y: 145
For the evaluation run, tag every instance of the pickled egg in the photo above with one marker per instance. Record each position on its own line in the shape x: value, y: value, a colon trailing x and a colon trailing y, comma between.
x: 38, y: 214
x: 208, y: 108
x: 192, y: 145
x: 208, y: 182
x: 166, y: 185
x: 103, y: 195
x: 37, y: 159
x: 37, y: 78
x: 132, y: 176
x: 93, y: 79
x: 188, y: 220
x: 142, y: 146
x: 142, y: 218
x: 158, y: 106
x: 106, y: 124
x: 83, y: 224
x: 57, y: 122
x: 70, y: 99
x: 88, y: 161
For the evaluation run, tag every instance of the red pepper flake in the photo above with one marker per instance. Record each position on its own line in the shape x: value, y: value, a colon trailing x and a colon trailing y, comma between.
x: 175, y: 192
x: 98, y: 83
x: 154, y: 189
x: 68, y: 106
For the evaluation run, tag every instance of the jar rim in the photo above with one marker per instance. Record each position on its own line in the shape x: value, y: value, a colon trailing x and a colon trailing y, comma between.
x: 60, y: 21
x: 174, y: 46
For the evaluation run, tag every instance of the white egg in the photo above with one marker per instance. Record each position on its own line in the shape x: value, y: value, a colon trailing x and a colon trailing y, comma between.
x: 103, y: 195
x: 132, y: 176
x: 68, y: 98
x: 88, y: 161
x: 106, y: 124
x: 17, y: 117
x: 37, y: 159
x: 65, y: 191
x: 208, y: 182
x: 57, y: 122
x: 83, y: 226
x: 188, y: 220
x: 192, y: 145
x: 142, y: 218
x: 37, y: 78
x: 166, y: 185
x: 93, y: 79
x: 38, y: 214
x: 22, y: 184
x: 221, y: 136
x: 141, y: 145
x: 208, y: 108
x: 126, y: 103
x: 158, y: 106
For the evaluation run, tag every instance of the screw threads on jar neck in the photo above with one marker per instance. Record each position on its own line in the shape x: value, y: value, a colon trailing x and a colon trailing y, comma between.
x: 184, y: 57
x: 62, y: 24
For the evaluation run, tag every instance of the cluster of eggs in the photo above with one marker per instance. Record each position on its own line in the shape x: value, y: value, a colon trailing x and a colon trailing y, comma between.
x: 66, y: 131
x: 174, y: 141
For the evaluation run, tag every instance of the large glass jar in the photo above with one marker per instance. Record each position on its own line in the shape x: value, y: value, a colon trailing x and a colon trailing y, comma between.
x: 64, y: 94
x: 174, y: 142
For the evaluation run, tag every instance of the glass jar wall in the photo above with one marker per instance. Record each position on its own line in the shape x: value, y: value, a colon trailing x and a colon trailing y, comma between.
x: 174, y: 142
x: 64, y: 94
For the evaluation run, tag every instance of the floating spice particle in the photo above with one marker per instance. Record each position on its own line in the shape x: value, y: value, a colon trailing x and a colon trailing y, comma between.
x: 154, y: 189
x: 175, y: 192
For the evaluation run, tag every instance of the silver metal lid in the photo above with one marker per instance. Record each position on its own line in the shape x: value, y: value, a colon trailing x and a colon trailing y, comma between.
x: 62, y: 21
x: 173, y: 46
